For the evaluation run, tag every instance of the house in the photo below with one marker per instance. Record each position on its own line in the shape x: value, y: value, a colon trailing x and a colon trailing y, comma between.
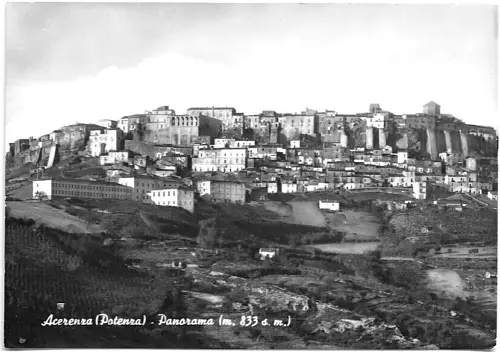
x: 114, y: 157
x: 493, y: 195
x: 258, y: 194
x: 329, y: 205
x: 450, y: 203
x: 228, y: 191
x: 173, y: 196
x: 268, y: 253
x: 102, y: 141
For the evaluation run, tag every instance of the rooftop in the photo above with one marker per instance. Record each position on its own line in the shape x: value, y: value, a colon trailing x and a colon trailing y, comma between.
x: 212, y: 108
x: 73, y: 180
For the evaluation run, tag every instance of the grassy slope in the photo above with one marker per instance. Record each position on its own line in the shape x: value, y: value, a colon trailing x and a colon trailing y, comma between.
x: 41, y: 271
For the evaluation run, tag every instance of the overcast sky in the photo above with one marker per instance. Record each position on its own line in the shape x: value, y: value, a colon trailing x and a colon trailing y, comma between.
x: 69, y: 62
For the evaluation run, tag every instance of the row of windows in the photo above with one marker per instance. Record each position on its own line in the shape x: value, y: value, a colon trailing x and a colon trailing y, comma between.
x: 166, y: 203
x: 158, y: 194
x: 58, y: 192
x: 89, y: 187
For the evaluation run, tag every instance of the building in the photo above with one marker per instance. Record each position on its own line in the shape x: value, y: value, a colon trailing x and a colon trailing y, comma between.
x: 378, y: 120
x: 114, y: 157
x: 241, y: 143
x: 432, y: 108
x: 142, y: 185
x: 163, y: 110
x: 493, y: 195
x: 203, y: 187
x: 457, y: 183
x: 21, y: 145
x: 251, y: 121
x: 420, y: 189
x: 225, y: 115
x: 268, y: 253
x: 223, y: 142
x: 167, y: 129
x: 71, y: 188
x: 374, y: 108
x: 173, y: 196
x: 420, y: 121
x: 129, y: 123
x: 103, y: 141
x: 288, y: 186
x: 221, y: 160
x: 402, y: 157
x: 293, y: 126
x: 329, y: 205
x: 228, y: 192
x: 106, y: 123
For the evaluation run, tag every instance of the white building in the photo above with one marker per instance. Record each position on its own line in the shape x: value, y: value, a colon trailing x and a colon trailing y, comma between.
x: 173, y: 196
x: 288, y: 187
x: 420, y: 190
x: 329, y: 205
x: 106, y: 123
x: 240, y: 144
x: 272, y: 187
x: 402, y: 157
x: 295, y: 144
x: 203, y: 187
x: 223, y: 142
x: 493, y: 195
x: 103, y: 141
x: 221, y: 160
x: 42, y: 188
x: 378, y: 120
x: 267, y: 253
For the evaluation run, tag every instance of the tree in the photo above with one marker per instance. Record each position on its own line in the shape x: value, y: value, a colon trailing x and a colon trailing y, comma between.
x: 40, y: 195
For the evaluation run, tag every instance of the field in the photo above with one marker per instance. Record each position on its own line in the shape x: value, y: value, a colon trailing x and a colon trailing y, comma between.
x: 46, y: 215
x: 347, y: 248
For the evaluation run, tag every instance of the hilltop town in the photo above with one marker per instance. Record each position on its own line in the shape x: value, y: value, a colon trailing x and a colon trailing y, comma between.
x: 233, y: 157
x: 368, y: 230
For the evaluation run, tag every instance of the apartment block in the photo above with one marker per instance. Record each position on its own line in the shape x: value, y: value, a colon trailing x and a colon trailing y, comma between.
x: 72, y: 188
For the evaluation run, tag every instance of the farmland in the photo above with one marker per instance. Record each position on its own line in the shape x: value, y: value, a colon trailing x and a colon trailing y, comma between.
x: 126, y: 270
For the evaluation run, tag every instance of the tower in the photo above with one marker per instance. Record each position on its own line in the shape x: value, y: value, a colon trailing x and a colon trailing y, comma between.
x: 432, y: 108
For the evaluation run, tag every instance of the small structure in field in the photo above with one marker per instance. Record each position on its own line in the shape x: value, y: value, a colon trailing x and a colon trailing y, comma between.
x: 329, y: 205
x: 268, y: 253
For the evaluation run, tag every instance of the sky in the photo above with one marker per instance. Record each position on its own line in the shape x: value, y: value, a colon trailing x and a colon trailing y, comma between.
x: 81, y: 62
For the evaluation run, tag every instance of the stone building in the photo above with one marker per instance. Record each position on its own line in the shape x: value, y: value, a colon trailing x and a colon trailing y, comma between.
x: 432, y: 108
x: 293, y: 126
x: 225, y: 115
x: 182, y: 130
x: 228, y: 192
x: 420, y: 121
x: 21, y: 145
